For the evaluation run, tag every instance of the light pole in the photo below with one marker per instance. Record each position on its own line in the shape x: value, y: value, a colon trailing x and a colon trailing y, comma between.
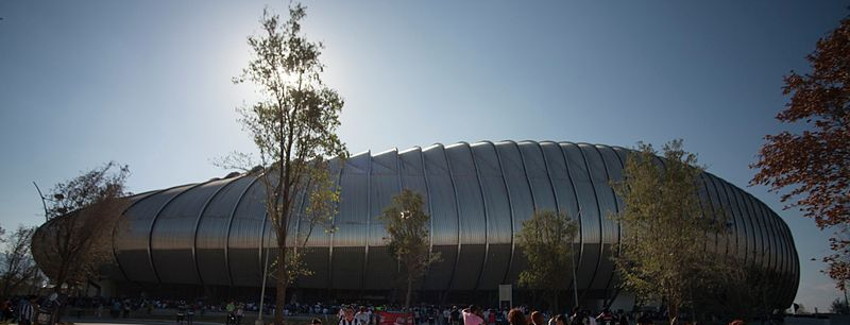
x: 259, y: 320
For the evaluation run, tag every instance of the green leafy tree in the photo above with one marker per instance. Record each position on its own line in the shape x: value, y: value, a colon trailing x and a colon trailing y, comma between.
x: 744, y: 291
x: 662, y: 254
x: 408, y: 235
x: 546, y: 240
x: 294, y: 128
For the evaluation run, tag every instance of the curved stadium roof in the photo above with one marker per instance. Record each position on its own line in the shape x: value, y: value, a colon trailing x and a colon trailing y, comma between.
x: 214, y: 233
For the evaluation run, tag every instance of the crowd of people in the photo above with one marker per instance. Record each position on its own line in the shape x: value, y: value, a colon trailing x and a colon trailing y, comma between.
x: 25, y: 310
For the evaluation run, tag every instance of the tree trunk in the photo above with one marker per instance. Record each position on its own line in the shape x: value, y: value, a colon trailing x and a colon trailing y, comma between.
x: 407, y: 296
x: 673, y: 311
x: 280, y: 287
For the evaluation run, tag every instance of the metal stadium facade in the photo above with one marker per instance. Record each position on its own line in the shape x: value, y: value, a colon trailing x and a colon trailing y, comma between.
x: 215, y: 234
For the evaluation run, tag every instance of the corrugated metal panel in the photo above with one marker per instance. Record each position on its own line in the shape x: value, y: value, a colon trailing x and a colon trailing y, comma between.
x: 349, y: 240
x: 170, y: 245
x: 727, y: 240
x: 443, y: 215
x: 772, y: 236
x: 318, y: 254
x: 133, y: 243
x: 565, y: 195
x: 713, y: 207
x: 757, y: 251
x: 537, y: 176
x: 613, y: 168
x: 522, y: 203
x: 412, y: 176
x: 212, y: 231
x: 471, y: 217
x: 738, y: 228
x: 246, y: 230
x: 793, y: 270
x: 498, y: 206
x: 385, y: 184
x: 747, y: 238
x: 785, y: 263
x: 762, y: 226
x: 607, y: 206
x: 589, y: 212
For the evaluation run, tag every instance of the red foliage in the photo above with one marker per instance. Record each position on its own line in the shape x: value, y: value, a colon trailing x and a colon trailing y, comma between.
x: 813, y: 166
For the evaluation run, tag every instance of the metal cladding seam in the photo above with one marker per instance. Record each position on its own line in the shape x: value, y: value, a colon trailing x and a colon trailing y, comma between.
x: 477, y: 194
x: 198, y: 224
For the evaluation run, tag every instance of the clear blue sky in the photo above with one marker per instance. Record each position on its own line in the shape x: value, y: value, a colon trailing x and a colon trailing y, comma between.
x: 148, y: 83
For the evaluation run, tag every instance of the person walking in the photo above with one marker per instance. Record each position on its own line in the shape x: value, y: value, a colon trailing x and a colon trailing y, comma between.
x: 26, y: 311
x: 190, y: 314
x: 473, y: 316
x: 605, y: 318
x: 537, y: 318
x: 363, y: 316
x: 516, y: 317
x: 348, y: 317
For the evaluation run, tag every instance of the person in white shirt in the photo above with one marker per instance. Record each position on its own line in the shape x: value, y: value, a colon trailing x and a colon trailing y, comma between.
x: 362, y: 316
x: 348, y: 317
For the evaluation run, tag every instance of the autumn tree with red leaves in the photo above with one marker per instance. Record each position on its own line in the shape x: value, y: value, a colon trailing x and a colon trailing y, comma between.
x: 812, y: 167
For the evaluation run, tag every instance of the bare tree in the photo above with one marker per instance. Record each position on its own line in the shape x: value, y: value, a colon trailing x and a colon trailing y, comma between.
x: 18, y: 266
x: 82, y: 213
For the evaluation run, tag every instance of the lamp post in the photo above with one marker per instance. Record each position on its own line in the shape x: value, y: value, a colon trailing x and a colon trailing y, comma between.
x: 259, y: 320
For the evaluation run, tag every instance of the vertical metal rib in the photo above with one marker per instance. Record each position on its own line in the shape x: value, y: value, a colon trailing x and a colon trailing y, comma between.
x: 368, y: 222
x: 198, y: 223
x: 793, y: 264
x: 766, y: 224
x: 525, y: 172
x: 457, y: 214
x: 710, y: 179
x: 510, y: 206
x: 712, y: 206
x: 230, y: 227
x: 756, y: 227
x: 428, y: 192
x: 616, y: 210
x: 598, y: 216
x: 333, y: 234
x: 733, y: 196
x: 115, y: 229
x: 401, y: 188
x: 720, y: 185
x: 773, y: 236
x: 153, y: 223
x: 555, y: 195
x: 486, y: 218
x: 578, y: 217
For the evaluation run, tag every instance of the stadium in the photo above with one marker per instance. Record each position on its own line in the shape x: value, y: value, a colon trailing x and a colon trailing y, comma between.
x: 211, y: 238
